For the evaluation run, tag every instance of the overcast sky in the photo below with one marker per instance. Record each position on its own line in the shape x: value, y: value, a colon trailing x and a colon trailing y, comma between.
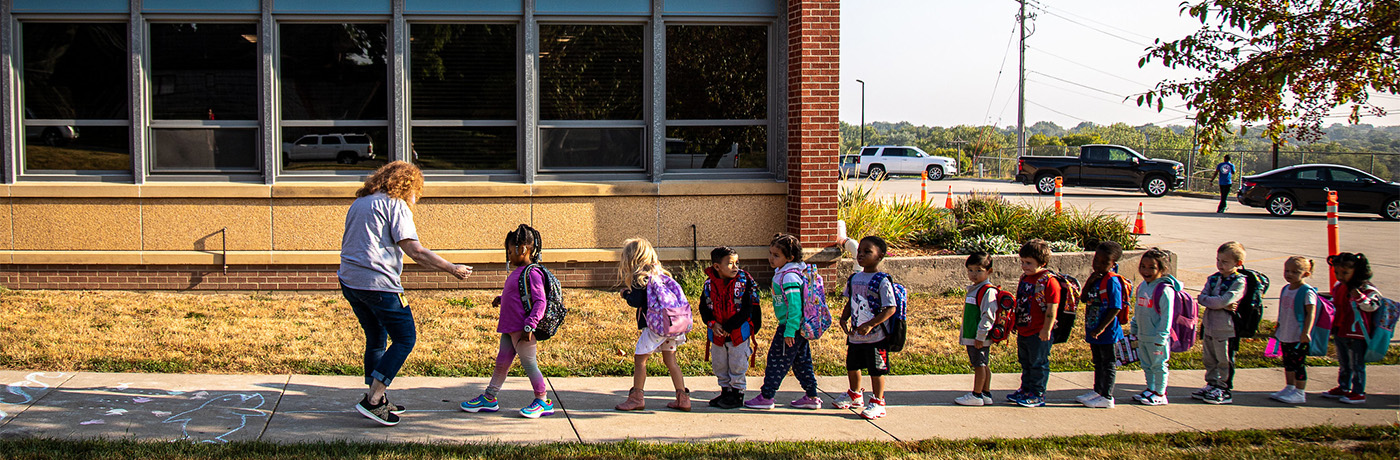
x: 936, y: 62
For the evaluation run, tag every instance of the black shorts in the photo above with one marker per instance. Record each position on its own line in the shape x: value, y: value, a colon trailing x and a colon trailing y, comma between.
x: 873, y: 358
x: 979, y: 357
x: 1295, y: 359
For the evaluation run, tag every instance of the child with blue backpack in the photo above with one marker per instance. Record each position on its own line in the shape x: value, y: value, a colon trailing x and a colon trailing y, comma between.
x: 1103, y: 298
x: 1356, y: 301
x: 870, y: 302
x: 663, y: 316
x: 1152, y: 323
x: 1297, y: 310
x: 517, y: 325
x: 789, y: 349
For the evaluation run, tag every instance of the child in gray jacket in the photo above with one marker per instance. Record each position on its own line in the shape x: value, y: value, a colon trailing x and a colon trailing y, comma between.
x: 1221, y: 297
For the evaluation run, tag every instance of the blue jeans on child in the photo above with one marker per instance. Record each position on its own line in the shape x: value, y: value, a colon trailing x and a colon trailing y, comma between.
x: 1034, y: 356
x: 1351, y: 374
x: 383, y: 316
x: 781, y: 357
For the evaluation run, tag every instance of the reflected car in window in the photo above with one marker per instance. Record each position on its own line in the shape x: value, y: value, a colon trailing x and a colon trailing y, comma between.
x: 1304, y: 188
x: 343, y: 148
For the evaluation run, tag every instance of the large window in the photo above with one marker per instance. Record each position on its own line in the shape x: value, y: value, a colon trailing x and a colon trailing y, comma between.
x: 204, y: 97
x: 591, y: 97
x: 334, y: 87
x: 716, y: 97
x: 76, y: 115
x: 464, y: 93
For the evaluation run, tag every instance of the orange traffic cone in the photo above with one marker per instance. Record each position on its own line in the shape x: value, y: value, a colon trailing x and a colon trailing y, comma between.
x: 1139, y: 227
x: 949, y: 204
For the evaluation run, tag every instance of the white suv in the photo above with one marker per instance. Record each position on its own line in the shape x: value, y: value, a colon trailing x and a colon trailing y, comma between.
x: 343, y: 148
x: 878, y: 161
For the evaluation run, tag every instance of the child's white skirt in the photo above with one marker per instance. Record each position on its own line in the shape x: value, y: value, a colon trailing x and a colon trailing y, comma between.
x: 649, y: 342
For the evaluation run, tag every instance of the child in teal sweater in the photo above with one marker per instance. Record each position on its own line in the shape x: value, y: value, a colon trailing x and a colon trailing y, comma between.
x: 789, y: 350
x: 1152, y: 324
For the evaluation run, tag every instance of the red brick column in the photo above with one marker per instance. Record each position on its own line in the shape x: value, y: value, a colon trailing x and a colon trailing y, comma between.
x: 814, y: 134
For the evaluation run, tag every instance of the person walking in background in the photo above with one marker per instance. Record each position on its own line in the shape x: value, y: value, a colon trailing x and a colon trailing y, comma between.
x: 1225, y: 172
x: 379, y: 231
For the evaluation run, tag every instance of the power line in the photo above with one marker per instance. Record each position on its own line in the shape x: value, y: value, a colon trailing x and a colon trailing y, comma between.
x: 1094, y: 97
x: 1006, y: 51
x: 1110, y: 26
x: 1071, y: 61
x: 1123, y: 98
x: 1028, y: 101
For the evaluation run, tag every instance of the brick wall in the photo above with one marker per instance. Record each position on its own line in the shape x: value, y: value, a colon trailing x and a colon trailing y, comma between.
x: 288, y: 277
x: 814, y: 135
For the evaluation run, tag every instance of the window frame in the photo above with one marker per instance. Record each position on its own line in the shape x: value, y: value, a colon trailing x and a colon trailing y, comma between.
x: 518, y: 123
x: 21, y: 167
x: 151, y: 124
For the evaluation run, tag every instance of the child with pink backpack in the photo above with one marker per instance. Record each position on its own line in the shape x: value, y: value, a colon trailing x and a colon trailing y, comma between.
x: 663, y: 316
x: 795, y: 286
x: 1298, y: 309
x: 1163, y: 322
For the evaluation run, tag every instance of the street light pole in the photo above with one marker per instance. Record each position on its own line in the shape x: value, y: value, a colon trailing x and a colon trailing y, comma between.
x: 862, y: 115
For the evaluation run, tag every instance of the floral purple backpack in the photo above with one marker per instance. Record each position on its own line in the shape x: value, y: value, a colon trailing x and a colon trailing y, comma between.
x: 668, y: 311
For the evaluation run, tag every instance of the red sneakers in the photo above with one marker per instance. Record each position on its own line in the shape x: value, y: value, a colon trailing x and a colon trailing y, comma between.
x: 1354, y: 398
x: 1335, y: 393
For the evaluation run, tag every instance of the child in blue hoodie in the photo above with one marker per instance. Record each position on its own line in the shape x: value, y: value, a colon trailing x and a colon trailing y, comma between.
x: 1152, y: 323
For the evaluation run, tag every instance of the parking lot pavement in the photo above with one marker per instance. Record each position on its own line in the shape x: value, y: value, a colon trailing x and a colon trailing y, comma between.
x: 1190, y: 227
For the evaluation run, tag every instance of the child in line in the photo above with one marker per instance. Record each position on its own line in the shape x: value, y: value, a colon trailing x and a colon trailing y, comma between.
x: 863, y: 320
x: 1037, y: 303
x: 1356, y: 301
x: 517, y: 327
x: 789, y: 350
x: 638, y: 268
x: 1221, y: 297
x: 979, y: 312
x: 1152, y: 323
x: 1297, y: 310
x: 729, y: 307
x: 1102, y: 298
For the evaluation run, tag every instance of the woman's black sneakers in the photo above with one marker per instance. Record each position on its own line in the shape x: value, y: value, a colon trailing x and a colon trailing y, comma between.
x: 378, y: 412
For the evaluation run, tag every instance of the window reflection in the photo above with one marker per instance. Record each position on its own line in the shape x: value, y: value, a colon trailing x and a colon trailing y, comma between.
x: 348, y: 148
x: 204, y: 71
x: 716, y: 72
x: 488, y: 148
x: 591, y: 147
x: 463, y: 71
x: 591, y: 72
x: 205, y: 149
x: 75, y: 71
x: 77, y: 148
x: 334, y: 72
x: 704, y: 147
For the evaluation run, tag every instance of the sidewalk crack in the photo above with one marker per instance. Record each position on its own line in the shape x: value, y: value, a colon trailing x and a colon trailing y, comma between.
x: 275, y: 405
x: 863, y: 419
x: 560, y: 403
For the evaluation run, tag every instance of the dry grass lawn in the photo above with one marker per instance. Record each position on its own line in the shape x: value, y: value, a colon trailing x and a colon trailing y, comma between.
x: 115, y: 331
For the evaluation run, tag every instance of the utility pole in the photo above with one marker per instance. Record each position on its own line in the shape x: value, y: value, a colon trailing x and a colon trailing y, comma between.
x: 862, y: 115
x: 1021, y: 87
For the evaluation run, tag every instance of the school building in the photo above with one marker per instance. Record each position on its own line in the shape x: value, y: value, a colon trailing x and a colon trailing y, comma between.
x: 216, y: 145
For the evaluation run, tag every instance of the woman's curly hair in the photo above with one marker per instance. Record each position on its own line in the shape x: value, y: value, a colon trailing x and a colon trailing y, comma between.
x: 398, y: 179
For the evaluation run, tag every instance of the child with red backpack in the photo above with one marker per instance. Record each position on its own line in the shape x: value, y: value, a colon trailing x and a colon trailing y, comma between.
x: 789, y: 349
x: 871, y: 301
x: 663, y: 316
x: 1037, y: 305
x: 729, y: 307
x: 1153, y: 322
x: 1297, y: 312
x: 981, y: 310
x: 1103, y: 298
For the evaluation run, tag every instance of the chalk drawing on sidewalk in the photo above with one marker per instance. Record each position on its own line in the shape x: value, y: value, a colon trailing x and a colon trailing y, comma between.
x: 15, y: 394
x: 225, y: 414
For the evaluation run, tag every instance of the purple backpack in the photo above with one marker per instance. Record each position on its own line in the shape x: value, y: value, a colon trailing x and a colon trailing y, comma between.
x: 816, y: 316
x: 668, y: 312
x: 1185, y: 317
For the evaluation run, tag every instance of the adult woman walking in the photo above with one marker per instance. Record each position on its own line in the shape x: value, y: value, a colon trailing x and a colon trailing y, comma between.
x: 379, y: 230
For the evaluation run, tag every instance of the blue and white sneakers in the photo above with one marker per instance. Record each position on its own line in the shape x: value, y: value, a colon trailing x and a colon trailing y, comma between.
x: 481, y: 403
x: 538, y: 408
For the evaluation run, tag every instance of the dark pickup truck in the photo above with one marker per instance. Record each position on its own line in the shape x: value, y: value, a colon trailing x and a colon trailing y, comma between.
x: 1102, y: 166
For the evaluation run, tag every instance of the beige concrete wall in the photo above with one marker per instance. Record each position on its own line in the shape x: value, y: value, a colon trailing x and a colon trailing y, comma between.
x: 302, y: 223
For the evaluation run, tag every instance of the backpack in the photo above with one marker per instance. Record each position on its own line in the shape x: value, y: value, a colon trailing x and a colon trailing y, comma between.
x: 554, y: 310
x: 1069, y: 303
x: 1251, y: 307
x: 1004, y: 326
x: 1185, y: 318
x: 1125, y: 313
x: 1322, y: 325
x: 668, y: 311
x: 1384, y: 318
x: 816, y: 316
x: 896, y: 328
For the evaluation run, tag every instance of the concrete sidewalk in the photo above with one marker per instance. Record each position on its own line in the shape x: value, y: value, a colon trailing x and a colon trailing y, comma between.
x: 301, y: 408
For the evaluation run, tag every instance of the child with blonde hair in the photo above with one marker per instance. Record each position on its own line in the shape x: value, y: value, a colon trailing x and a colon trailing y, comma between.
x: 642, y: 278
x: 1221, y: 297
x: 1297, y: 309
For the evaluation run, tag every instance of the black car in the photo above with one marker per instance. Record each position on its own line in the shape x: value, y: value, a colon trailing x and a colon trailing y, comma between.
x: 1304, y: 188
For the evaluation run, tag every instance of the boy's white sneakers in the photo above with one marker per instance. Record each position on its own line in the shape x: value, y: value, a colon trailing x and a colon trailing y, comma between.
x: 1099, y: 402
x: 1294, y: 397
x: 850, y: 399
x: 874, y: 409
x: 1086, y: 397
x: 970, y: 400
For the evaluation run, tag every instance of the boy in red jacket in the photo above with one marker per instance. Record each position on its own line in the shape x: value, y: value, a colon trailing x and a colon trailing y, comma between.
x: 729, y: 307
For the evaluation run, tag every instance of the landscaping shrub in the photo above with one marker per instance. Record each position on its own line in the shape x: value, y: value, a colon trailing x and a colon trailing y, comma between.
x: 1066, y: 246
x: 991, y: 244
x: 897, y: 220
